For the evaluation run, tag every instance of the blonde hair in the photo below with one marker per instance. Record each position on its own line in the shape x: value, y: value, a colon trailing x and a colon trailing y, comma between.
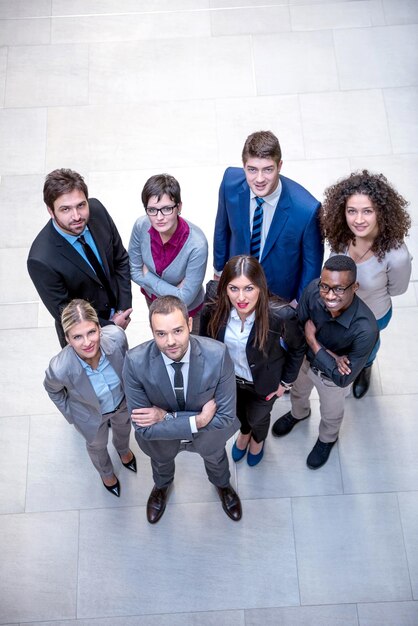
x: 75, y: 312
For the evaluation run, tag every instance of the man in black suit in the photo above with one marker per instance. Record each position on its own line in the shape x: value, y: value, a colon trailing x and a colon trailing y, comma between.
x: 79, y: 254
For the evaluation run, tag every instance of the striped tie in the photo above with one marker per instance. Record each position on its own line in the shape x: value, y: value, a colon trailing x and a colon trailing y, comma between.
x: 257, y: 226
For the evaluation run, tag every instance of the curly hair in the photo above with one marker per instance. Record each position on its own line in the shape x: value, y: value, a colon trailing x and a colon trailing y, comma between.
x: 393, y: 220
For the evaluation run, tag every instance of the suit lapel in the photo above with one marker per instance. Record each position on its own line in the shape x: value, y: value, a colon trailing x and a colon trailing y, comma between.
x: 159, y: 377
x: 66, y: 250
x: 196, y: 370
x: 81, y: 381
x: 280, y: 218
x: 244, y: 216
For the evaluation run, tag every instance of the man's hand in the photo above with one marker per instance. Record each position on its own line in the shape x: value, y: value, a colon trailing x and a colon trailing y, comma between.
x: 343, y: 363
x: 207, y: 413
x: 122, y: 319
x: 148, y: 416
x: 279, y: 392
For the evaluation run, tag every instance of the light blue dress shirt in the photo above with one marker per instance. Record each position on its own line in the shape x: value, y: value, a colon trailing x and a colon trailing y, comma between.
x: 73, y: 240
x: 105, y: 382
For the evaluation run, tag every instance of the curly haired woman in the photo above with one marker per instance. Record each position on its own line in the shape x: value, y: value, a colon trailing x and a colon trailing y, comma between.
x: 364, y: 217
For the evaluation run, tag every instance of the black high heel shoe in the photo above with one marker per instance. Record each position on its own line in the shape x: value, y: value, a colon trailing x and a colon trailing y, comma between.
x: 115, y: 489
x: 130, y: 465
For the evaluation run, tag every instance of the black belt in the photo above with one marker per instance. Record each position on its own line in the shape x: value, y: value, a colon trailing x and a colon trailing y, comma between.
x: 114, y: 410
x: 320, y: 374
x: 242, y: 381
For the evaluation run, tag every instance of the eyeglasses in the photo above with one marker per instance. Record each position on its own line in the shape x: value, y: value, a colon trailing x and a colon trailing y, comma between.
x: 338, y: 291
x: 165, y: 210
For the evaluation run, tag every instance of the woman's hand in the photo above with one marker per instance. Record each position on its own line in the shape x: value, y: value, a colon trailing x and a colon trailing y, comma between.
x: 279, y: 392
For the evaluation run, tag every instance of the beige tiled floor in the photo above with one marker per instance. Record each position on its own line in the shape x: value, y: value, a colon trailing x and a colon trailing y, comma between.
x: 120, y: 90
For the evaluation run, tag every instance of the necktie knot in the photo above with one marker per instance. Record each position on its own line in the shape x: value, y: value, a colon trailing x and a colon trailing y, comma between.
x: 260, y: 201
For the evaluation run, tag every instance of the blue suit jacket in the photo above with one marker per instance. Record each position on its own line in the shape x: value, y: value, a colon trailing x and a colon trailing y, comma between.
x: 293, y: 251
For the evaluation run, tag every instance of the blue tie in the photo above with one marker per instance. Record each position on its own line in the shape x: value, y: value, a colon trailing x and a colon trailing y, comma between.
x: 257, y: 226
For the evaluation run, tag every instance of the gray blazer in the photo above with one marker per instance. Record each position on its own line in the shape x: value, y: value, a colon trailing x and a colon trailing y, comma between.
x: 211, y: 375
x: 69, y: 387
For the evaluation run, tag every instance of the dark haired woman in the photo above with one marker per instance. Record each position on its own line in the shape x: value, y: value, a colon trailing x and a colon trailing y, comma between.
x: 168, y: 254
x: 364, y: 217
x: 84, y: 381
x: 266, y: 345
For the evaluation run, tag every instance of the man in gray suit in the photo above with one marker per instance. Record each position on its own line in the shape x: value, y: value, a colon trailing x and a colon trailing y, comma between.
x: 180, y: 391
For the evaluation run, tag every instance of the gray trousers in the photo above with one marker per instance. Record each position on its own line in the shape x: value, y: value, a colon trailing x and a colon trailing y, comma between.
x: 331, y: 401
x: 121, y: 429
x: 163, y: 452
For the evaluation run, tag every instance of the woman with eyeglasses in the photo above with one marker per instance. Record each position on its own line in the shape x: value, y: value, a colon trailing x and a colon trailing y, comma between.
x: 364, y: 217
x: 84, y: 381
x: 168, y: 254
x: 266, y: 345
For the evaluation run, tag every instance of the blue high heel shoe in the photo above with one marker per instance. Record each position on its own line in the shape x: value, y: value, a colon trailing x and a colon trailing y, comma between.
x: 238, y: 454
x: 254, y: 459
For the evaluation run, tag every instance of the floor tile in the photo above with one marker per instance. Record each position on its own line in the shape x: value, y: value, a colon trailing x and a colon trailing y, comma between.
x: 225, y: 4
x: 35, y: 76
x: 362, y: 532
x: 129, y: 27
x: 213, y: 618
x: 109, y: 137
x: 400, y: 103
x: 24, y: 32
x: 61, y: 475
x: 390, y: 464
x: 408, y: 505
x: 378, y: 57
x: 313, y: 16
x: 3, y: 64
x: 21, y: 288
x: 82, y: 7
x: 22, y: 137
x: 388, y: 614
x: 401, y: 11
x: 355, y: 124
x: 280, y: 114
x: 309, y: 66
x: 24, y: 8
x: 342, y: 615
x: 161, y: 549
x: 14, y: 438
x: 254, y: 20
x: 283, y: 471
x: 24, y: 224
x: 31, y: 365
x: 19, y: 315
x: 400, y: 339
x: 316, y: 175
x: 38, y: 568
x: 225, y: 59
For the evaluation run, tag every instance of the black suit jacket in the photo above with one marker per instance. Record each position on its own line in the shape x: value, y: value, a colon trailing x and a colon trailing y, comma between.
x: 60, y: 273
x: 276, y: 363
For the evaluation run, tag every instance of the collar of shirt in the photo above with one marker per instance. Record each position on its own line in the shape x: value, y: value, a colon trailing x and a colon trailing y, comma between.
x: 346, y: 317
x: 249, y: 320
x: 72, y: 239
x: 100, y: 364
x: 177, y: 239
x: 273, y: 198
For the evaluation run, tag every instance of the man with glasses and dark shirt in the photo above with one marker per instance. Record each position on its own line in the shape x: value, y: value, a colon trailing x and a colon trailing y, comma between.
x: 340, y: 331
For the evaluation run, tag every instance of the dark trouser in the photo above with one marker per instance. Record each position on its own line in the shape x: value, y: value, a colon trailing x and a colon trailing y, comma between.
x: 253, y: 411
x: 163, y: 453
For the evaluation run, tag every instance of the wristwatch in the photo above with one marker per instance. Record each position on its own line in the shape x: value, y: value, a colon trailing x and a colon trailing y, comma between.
x: 169, y: 416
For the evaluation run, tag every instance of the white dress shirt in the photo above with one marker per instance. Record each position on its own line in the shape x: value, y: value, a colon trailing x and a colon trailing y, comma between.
x: 185, y: 371
x: 236, y: 338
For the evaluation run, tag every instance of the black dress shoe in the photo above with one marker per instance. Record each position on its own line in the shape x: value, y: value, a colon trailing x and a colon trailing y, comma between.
x: 362, y: 382
x: 115, y: 489
x: 231, y: 503
x: 131, y: 465
x: 156, y: 504
x: 319, y: 454
x: 285, y: 423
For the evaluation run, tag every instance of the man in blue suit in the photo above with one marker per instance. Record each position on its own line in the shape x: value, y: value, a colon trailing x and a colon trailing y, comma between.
x: 270, y: 217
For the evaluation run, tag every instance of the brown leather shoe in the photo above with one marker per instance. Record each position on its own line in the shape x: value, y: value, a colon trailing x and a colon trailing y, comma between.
x: 156, y: 504
x: 231, y: 503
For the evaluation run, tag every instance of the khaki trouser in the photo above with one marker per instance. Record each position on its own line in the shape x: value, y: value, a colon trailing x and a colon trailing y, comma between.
x: 331, y: 401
